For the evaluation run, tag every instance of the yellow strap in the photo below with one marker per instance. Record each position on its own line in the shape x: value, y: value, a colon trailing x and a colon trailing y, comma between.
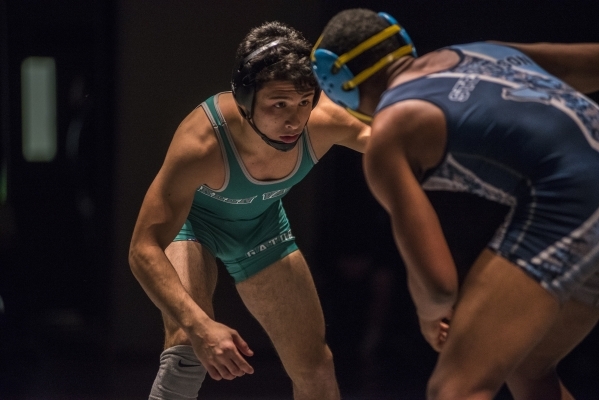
x: 312, y: 57
x: 367, y: 44
x: 362, y: 117
x: 368, y: 72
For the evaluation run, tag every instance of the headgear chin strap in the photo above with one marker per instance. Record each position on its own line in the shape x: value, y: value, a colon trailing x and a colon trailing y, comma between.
x: 243, y: 86
x: 277, y: 144
x: 339, y: 82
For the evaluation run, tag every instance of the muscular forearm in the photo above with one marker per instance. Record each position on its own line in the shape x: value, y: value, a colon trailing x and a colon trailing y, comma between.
x: 161, y: 283
x: 433, y: 302
x: 576, y: 64
x: 432, y: 276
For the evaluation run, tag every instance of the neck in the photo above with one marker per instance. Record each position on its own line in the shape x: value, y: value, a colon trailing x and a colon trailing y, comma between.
x: 398, y: 69
x: 405, y: 70
x: 373, y: 88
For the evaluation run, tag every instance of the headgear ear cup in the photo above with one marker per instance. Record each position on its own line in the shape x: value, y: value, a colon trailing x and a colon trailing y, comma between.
x: 403, y: 33
x: 331, y: 79
x: 243, y: 84
x: 338, y: 81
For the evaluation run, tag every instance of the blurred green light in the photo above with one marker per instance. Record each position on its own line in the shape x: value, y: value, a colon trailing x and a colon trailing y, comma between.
x: 38, y: 103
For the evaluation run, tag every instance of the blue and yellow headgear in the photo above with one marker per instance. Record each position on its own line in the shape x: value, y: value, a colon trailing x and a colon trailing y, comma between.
x: 339, y: 83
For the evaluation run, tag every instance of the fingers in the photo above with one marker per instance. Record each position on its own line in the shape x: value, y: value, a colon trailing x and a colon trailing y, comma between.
x: 242, y: 345
x: 213, y: 372
x: 443, y: 334
x: 225, y: 360
x: 443, y: 331
x: 228, y: 369
x: 239, y: 366
x: 228, y: 366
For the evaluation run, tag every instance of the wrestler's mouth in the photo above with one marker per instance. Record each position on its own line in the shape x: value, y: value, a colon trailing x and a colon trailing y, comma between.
x: 289, y: 138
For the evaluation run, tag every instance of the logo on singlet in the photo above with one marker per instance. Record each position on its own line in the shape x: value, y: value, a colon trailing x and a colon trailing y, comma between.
x: 527, y: 85
x: 517, y: 60
x: 211, y: 193
x: 283, y: 237
x: 552, y: 92
x: 463, y: 87
x: 274, y: 193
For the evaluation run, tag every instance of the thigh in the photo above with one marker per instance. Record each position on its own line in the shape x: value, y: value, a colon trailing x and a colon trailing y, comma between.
x: 500, y: 316
x: 573, y: 324
x: 283, y: 299
x: 198, y: 272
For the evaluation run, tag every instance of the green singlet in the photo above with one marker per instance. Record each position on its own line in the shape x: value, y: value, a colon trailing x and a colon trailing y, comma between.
x: 244, y: 223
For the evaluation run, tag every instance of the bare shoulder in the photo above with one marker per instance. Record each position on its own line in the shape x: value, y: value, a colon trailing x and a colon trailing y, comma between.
x: 195, y: 149
x: 192, y: 159
x: 415, y: 129
x: 331, y: 124
x: 195, y: 134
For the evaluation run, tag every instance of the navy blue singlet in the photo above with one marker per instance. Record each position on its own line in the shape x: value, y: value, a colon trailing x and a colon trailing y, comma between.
x: 521, y: 137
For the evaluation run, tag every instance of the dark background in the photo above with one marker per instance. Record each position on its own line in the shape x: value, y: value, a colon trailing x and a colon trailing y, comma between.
x: 76, y: 325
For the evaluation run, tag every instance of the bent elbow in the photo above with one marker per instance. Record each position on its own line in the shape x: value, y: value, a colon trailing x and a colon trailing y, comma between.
x: 135, y: 259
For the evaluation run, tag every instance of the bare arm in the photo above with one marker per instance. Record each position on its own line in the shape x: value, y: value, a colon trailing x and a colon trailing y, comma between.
x: 163, y: 212
x: 577, y: 64
x: 191, y: 160
x: 331, y: 124
x: 392, y: 160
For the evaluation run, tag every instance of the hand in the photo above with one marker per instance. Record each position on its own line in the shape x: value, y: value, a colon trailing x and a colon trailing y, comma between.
x: 435, y: 332
x: 220, y: 348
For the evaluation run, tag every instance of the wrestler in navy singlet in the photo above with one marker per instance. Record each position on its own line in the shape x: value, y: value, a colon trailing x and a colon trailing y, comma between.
x: 521, y: 137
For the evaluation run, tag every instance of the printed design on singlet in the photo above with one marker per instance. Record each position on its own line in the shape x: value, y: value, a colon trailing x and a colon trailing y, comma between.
x: 525, y: 85
x: 282, y: 238
x: 452, y: 176
x: 570, y: 252
x: 463, y: 87
x: 205, y: 190
x: 275, y: 193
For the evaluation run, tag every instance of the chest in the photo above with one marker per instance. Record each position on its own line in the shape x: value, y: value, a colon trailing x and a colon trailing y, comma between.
x: 269, y: 167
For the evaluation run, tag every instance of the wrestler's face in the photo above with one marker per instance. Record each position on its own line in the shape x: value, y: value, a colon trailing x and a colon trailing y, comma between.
x: 281, y: 112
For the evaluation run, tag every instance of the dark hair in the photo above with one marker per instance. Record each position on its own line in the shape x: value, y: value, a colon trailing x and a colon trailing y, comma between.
x: 351, y: 27
x: 289, y: 60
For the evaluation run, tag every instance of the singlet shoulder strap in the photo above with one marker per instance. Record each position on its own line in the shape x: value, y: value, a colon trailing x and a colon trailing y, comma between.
x: 232, y: 166
x: 308, y: 150
x: 218, y: 124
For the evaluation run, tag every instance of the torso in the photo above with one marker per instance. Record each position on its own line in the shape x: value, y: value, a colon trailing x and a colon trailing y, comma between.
x: 505, y: 146
x: 519, y: 136
x: 261, y: 161
x: 249, y: 177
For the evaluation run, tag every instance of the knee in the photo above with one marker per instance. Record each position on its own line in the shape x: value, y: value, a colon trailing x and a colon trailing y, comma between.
x: 535, y: 370
x: 438, y: 388
x: 441, y: 390
x: 315, y: 366
x: 314, y: 377
x: 455, y: 388
x: 325, y: 364
x: 535, y: 384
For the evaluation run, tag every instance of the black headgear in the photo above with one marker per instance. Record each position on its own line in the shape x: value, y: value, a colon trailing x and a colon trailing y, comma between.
x: 243, y: 86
